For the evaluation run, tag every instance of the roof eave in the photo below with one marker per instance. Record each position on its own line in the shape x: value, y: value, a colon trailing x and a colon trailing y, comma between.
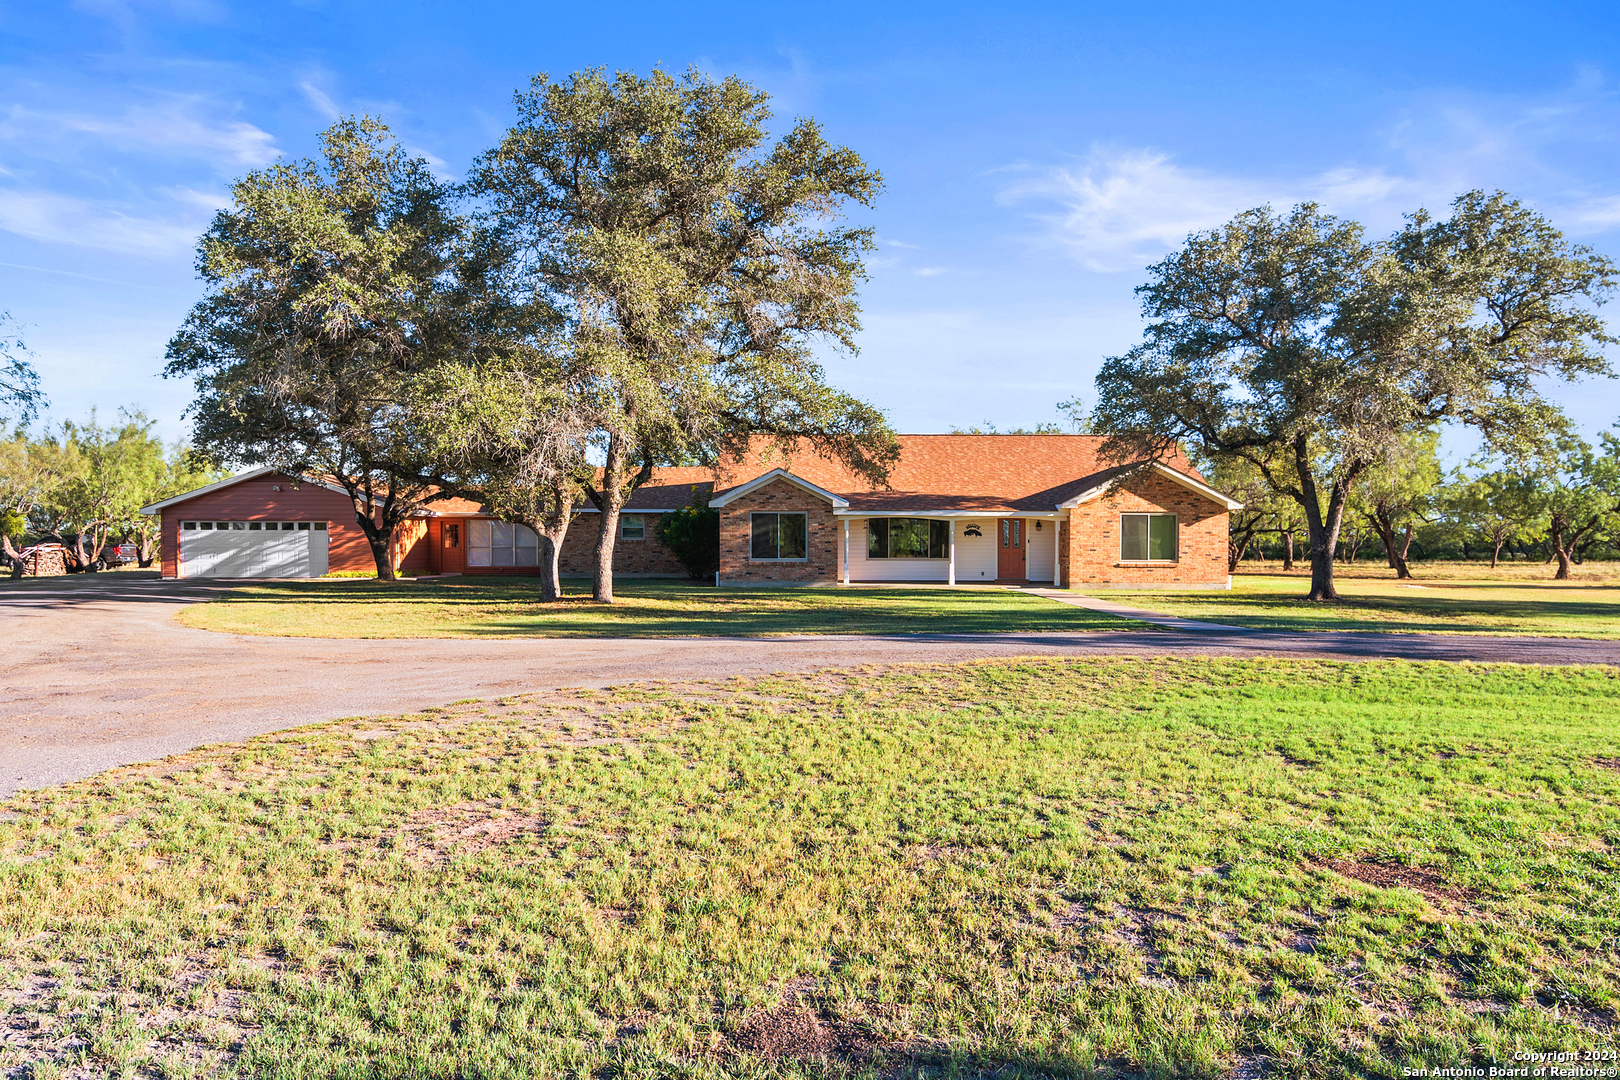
x: 726, y: 498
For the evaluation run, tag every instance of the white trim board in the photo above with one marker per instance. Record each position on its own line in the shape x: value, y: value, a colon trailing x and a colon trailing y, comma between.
x: 1181, y: 478
x: 758, y: 482
x: 251, y: 474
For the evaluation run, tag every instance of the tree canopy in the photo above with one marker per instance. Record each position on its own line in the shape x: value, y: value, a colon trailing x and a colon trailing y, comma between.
x: 334, y: 285
x: 693, y: 266
x: 1292, y: 342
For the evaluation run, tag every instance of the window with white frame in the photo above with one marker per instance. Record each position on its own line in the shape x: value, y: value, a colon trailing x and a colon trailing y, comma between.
x: 501, y: 543
x: 1148, y: 538
x: 908, y: 538
x: 780, y: 537
x: 632, y: 527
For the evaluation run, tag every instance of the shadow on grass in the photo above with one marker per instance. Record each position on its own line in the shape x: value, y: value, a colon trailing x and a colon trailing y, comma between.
x: 512, y: 608
x: 1420, y: 612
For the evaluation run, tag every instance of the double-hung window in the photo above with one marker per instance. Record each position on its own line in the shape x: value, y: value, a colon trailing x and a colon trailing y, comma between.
x: 908, y: 538
x: 1147, y: 538
x: 780, y: 536
x: 501, y: 543
x: 632, y: 527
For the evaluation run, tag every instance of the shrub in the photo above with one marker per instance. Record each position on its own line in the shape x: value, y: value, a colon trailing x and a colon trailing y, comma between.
x: 693, y: 534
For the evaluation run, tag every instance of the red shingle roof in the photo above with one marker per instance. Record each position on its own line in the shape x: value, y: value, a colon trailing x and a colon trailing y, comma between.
x: 985, y: 474
x: 965, y: 473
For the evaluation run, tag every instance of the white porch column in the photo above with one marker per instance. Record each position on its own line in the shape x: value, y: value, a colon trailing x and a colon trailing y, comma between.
x: 846, y: 551
x: 1057, y: 553
x: 952, y: 579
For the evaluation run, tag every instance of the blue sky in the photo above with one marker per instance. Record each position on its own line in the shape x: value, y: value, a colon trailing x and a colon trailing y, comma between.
x: 1037, y: 157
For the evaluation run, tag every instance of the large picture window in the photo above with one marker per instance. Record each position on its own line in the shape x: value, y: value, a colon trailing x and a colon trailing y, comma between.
x: 908, y: 538
x: 501, y: 543
x: 780, y: 536
x: 1147, y: 537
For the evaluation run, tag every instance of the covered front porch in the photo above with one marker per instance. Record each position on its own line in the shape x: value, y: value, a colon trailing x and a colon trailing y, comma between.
x: 951, y: 548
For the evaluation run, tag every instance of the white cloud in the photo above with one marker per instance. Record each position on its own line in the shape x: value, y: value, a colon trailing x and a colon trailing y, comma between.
x: 166, y: 125
x: 54, y: 218
x: 322, y: 102
x: 1119, y: 208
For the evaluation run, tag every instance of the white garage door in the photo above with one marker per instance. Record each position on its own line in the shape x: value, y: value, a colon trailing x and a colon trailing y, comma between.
x: 240, y: 549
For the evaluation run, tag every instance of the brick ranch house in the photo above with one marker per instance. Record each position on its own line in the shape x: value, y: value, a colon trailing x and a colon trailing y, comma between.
x: 958, y: 509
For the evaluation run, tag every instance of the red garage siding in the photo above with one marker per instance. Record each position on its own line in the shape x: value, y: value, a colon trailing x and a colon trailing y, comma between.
x: 257, y: 500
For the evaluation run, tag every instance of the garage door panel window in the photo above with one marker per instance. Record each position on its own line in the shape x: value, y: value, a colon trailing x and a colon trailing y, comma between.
x: 780, y: 538
x: 1148, y: 538
x: 501, y: 543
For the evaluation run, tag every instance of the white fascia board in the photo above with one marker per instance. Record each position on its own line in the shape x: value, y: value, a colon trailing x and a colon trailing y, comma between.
x: 779, y: 474
x: 1181, y: 478
x: 251, y: 474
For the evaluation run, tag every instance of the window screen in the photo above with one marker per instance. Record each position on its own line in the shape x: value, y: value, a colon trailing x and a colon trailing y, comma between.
x: 780, y: 536
x: 632, y: 527
x: 1148, y: 537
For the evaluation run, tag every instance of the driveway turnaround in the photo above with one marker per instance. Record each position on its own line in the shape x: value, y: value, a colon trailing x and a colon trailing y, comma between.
x: 99, y: 673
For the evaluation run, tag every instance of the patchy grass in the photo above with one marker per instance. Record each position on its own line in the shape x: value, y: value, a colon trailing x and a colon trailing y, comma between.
x: 1163, y: 868
x: 480, y: 608
x: 1588, y: 609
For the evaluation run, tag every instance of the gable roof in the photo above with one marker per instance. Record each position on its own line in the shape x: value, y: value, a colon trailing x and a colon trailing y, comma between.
x: 771, y: 477
x: 251, y: 474
x: 961, y: 474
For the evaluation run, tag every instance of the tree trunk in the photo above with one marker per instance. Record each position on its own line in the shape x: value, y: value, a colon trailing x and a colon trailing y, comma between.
x: 1496, y: 553
x: 1323, y: 531
x: 1288, y: 549
x: 13, y: 557
x: 146, y: 550
x: 1394, y: 554
x: 552, y: 529
x: 1558, y: 540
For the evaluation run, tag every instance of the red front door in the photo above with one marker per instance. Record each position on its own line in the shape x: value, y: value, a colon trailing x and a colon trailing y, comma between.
x: 452, y: 555
x: 1010, y: 562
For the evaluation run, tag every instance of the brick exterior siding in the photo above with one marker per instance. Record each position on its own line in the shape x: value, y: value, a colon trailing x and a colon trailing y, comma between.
x: 1091, y: 537
x: 737, y: 567
x: 641, y: 558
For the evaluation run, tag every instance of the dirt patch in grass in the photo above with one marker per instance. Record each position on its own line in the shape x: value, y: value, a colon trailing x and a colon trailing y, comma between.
x: 793, y: 1032
x: 441, y: 834
x: 1607, y: 763
x: 1388, y: 875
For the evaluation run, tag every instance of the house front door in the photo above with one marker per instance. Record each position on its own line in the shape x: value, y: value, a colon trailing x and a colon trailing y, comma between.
x: 452, y: 555
x: 1010, y: 562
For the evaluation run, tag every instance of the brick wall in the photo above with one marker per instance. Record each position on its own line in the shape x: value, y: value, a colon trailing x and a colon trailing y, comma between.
x: 1091, y: 540
x: 736, y: 538
x: 646, y: 556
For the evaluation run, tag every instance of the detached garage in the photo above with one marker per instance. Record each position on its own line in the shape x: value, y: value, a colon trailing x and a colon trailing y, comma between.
x: 266, y: 524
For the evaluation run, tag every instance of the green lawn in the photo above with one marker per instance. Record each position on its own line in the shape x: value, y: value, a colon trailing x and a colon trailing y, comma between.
x: 1429, y: 604
x: 1118, y: 868
x: 470, y: 607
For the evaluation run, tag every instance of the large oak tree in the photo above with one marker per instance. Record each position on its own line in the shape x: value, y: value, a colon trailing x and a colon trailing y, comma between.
x: 694, y: 264
x: 334, y: 287
x: 1292, y: 342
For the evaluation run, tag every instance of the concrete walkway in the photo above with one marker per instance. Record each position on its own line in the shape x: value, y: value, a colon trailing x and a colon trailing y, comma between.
x: 99, y: 673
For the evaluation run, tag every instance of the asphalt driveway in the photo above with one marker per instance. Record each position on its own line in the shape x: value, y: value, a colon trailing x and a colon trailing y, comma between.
x: 98, y: 673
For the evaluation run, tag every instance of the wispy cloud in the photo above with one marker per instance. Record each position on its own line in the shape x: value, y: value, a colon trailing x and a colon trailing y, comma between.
x: 54, y: 218
x: 1120, y: 207
x: 1117, y: 208
x: 168, y: 125
x: 320, y: 99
